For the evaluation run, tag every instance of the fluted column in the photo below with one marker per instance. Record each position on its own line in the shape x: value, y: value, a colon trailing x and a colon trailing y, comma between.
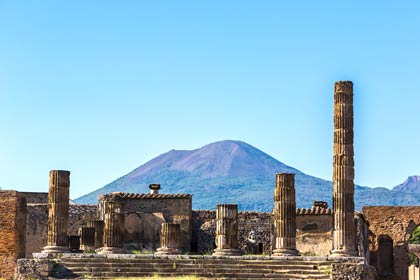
x: 227, y: 230
x: 87, y: 238
x: 285, y: 215
x: 113, y: 227
x: 58, y: 212
x: 169, y: 239
x: 98, y: 225
x: 344, y: 233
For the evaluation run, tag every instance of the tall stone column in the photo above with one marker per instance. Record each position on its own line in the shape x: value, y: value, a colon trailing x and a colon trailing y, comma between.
x: 227, y: 230
x: 285, y: 215
x: 58, y: 212
x: 169, y: 239
x: 114, y: 220
x: 344, y: 233
x: 98, y: 225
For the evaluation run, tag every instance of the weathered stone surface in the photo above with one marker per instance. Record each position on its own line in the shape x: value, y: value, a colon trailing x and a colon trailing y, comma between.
x: 98, y: 226
x: 285, y: 215
x: 169, y: 239
x: 227, y: 230
x: 87, y: 238
x: 12, y: 231
x: 344, y: 233
x: 58, y: 211
x: 114, y: 217
x: 37, y: 224
x: 307, y: 242
x: 349, y: 271
x: 144, y: 213
x: 397, y: 222
x: 33, y: 269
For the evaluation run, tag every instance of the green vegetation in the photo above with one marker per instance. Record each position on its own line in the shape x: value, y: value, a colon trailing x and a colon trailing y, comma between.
x: 141, y: 252
x: 415, y: 239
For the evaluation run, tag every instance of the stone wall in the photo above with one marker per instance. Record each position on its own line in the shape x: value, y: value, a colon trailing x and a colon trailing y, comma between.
x: 12, y: 231
x: 313, y: 230
x: 398, y: 223
x: 35, y: 197
x: 146, y: 212
x: 37, y: 224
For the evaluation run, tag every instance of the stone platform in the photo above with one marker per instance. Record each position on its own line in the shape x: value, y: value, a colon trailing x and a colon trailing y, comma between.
x: 94, y: 266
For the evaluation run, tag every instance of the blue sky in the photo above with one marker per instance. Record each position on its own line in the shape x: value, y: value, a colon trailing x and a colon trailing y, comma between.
x: 101, y: 87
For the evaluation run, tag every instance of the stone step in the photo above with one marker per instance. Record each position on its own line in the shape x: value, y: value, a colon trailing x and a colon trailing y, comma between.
x: 207, y: 275
x: 201, y: 265
x: 194, y: 261
x: 82, y: 270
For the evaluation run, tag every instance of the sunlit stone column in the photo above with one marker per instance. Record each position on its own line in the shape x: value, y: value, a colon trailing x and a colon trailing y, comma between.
x: 58, y: 212
x: 169, y: 239
x: 285, y: 215
x: 98, y: 225
x: 114, y: 226
x: 344, y: 233
x: 227, y: 230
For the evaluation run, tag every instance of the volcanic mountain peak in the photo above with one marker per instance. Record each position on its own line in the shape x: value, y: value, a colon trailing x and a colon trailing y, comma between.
x: 220, y: 159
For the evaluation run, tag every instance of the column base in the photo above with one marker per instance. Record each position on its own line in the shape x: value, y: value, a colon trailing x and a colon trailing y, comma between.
x: 337, y: 253
x: 86, y: 249
x: 110, y: 250
x: 227, y: 252
x: 55, y: 249
x: 285, y: 252
x: 167, y: 251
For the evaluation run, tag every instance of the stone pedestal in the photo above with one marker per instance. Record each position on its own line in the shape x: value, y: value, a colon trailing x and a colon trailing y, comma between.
x: 74, y: 243
x: 285, y: 216
x: 344, y: 234
x: 114, y: 220
x: 227, y: 230
x: 98, y: 225
x: 87, y: 238
x: 169, y: 239
x: 58, y: 212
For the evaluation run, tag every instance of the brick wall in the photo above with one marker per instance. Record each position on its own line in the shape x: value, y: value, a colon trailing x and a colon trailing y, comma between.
x: 12, y: 231
x: 398, y: 222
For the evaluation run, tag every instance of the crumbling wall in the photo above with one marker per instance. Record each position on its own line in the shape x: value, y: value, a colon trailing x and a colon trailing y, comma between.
x: 313, y: 235
x: 397, y: 222
x: 12, y: 231
x: 37, y: 224
x: 146, y: 212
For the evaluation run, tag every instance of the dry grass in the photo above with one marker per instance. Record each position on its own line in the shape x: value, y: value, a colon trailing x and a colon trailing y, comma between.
x: 160, y: 277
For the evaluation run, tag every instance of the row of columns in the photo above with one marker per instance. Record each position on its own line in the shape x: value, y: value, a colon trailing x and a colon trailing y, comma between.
x: 227, y: 225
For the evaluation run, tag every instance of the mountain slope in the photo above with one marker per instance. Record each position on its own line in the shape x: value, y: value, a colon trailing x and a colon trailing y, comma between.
x: 410, y: 185
x: 234, y: 172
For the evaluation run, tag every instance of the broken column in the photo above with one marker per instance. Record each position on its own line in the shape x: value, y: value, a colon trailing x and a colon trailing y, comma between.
x: 227, y: 230
x: 113, y: 225
x: 74, y: 243
x: 344, y: 233
x: 58, y: 212
x: 285, y: 215
x: 87, y: 238
x: 169, y: 239
x: 98, y: 225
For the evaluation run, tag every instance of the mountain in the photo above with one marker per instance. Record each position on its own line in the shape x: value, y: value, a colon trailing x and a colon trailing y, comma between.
x: 411, y: 185
x: 234, y: 172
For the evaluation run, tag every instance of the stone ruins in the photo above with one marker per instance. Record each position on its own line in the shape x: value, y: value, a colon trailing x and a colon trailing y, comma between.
x: 43, y: 236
